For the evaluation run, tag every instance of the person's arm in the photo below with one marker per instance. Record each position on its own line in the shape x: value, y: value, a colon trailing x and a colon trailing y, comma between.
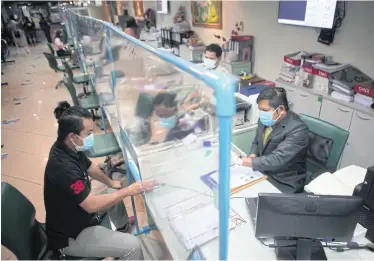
x: 96, y: 173
x: 93, y: 203
x: 295, y: 141
x: 254, y: 148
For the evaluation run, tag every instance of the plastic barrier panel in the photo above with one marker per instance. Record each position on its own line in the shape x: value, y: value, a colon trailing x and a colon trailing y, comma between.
x: 174, y: 122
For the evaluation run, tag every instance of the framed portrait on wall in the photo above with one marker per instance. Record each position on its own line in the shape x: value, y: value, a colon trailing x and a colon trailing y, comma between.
x: 207, y: 14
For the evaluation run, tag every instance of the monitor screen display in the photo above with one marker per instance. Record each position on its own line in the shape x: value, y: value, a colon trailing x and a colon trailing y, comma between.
x: 313, y: 13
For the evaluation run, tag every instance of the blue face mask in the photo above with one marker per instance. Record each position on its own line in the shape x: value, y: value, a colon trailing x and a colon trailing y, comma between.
x: 88, y: 143
x: 169, y: 122
x: 266, y: 118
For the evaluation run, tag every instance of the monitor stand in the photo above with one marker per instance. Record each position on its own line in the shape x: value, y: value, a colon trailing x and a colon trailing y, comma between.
x: 299, y: 249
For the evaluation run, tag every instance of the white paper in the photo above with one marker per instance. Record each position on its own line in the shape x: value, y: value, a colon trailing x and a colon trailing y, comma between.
x: 191, y: 138
x: 328, y: 184
x: 351, y: 175
x: 341, y: 183
x: 240, y: 175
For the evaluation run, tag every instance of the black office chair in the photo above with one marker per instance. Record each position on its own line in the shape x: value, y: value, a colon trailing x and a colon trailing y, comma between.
x: 21, y: 233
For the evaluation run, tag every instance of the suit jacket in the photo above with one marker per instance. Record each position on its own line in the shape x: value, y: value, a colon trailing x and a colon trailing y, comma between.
x: 283, y: 157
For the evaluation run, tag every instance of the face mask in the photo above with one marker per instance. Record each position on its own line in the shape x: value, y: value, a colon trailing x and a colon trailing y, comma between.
x: 266, y: 118
x: 88, y: 143
x: 169, y: 122
x: 209, y: 63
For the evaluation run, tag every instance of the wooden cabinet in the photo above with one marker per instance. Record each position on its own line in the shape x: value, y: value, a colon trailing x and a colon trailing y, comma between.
x: 359, y: 149
x: 336, y: 114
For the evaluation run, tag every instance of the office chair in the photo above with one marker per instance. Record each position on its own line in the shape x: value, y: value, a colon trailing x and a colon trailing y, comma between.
x: 21, y: 233
x: 52, y: 50
x: 105, y: 144
x: 77, y: 79
x: 55, y: 66
x: 326, y: 145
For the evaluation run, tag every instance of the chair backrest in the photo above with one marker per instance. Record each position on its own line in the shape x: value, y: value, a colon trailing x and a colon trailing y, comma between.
x: 51, y: 48
x: 326, y: 143
x: 52, y: 61
x: 21, y: 233
x: 72, y: 91
x: 68, y: 70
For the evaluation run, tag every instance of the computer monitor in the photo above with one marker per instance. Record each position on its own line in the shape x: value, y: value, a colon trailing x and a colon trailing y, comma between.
x: 305, y: 218
x: 366, y: 192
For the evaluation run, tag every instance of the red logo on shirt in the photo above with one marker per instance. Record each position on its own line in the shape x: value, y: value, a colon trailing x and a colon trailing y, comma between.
x: 77, y: 187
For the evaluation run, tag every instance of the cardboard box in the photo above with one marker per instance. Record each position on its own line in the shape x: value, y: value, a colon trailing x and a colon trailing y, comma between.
x: 321, y: 76
x: 365, y: 88
x: 294, y: 58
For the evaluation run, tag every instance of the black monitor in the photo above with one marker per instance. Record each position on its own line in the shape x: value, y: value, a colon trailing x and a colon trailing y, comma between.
x: 304, y: 218
x: 366, y: 192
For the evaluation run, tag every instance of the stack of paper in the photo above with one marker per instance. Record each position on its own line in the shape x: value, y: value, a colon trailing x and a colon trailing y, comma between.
x: 363, y: 100
x: 240, y: 178
x: 341, y: 183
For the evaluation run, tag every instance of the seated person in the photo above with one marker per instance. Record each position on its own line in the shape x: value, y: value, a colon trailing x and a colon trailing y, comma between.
x: 212, y: 61
x: 132, y: 28
x: 73, y: 211
x: 63, y: 50
x: 279, y: 149
x: 164, y: 117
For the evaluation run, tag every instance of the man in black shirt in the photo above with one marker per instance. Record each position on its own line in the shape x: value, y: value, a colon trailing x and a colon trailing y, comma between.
x: 72, y: 210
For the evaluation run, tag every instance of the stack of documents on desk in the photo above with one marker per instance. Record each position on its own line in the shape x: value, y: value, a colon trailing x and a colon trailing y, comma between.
x: 341, y: 96
x: 341, y: 183
x: 240, y: 178
x: 363, y: 100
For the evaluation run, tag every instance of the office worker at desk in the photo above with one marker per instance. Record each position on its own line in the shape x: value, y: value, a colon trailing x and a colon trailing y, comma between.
x: 73, y: 212
x: 280, y: 146
x: 211, y: 61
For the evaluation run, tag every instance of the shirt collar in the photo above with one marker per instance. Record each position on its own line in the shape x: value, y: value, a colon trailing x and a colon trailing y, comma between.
x: 67, y: 150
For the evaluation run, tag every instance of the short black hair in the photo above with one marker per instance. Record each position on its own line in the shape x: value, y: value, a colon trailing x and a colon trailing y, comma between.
x: 275, y: 95
x: 215, y: 48
x: 166, y: 99
x: 131, y: 23
x: 58, y: 33
x: 70, y: 121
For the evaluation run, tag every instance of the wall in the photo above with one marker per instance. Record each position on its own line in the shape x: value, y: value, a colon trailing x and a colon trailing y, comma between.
x: 354, y: 41
x: 97, y: 12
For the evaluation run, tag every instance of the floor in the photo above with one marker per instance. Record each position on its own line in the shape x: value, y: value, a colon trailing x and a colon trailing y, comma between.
x: 29, y: 140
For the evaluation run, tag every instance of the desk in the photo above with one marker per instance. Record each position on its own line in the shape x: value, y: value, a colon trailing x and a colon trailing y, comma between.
x: 242, y: 243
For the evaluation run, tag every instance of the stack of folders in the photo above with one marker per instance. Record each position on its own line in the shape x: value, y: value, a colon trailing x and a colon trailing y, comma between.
x: 240, y: 178
x: 343, y: 81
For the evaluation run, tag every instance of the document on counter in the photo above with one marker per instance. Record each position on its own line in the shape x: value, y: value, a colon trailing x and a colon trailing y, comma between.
x: 241, y: 177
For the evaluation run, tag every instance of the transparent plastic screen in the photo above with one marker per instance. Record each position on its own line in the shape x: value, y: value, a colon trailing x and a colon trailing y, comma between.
x: 167, y: 119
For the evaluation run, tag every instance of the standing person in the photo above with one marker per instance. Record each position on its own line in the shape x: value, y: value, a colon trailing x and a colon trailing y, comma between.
x: 280, y: 147
x: 29, y: 28
x: 46, y: 27
x: 14, y: 26
x: 73, y: 212
x: 132, y: 28
x: 63, y: 50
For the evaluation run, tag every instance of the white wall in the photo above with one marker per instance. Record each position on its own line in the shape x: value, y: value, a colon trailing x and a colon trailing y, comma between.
x: 354, y: 41
x: 97, y: 12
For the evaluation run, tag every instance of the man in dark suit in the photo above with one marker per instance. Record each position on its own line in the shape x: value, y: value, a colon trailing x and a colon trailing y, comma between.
x: 279, y: 149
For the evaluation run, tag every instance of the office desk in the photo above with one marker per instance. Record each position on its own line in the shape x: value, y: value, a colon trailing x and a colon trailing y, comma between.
x: 178, y: 176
